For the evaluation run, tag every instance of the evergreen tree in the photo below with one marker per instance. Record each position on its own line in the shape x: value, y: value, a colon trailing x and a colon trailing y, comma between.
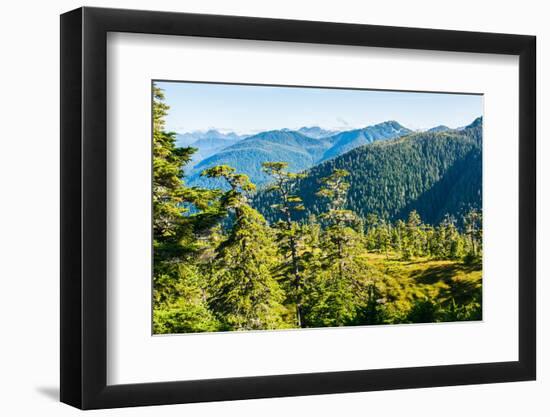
x: 423, y: 311
x: 289, y: 231
x: 175, y: 225
x: 179, y: 302
x: 374, y: 311
x: 180, y: 299
x: 454, y: 243
x: 342, y: 286
x: 384, y: 237
x: 473, y: 223
x: 244, y: 295
x: 371, y: 238
x: 399, y: 238
x: 413, y: 246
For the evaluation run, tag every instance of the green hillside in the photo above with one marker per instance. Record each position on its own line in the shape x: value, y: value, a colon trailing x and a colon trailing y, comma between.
x: 403, y: 285
x: 247, y: 156
x: 346, y: 141
x: 434, y: 173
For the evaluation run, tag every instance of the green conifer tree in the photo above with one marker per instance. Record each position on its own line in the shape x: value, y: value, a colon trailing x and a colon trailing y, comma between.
x: 473, y: 225
x: 244, y: 295
x: 342, y: 285
x: 178, y: 286
x: 289, y: 234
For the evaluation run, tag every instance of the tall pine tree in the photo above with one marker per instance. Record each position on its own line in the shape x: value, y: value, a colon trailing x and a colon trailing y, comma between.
x: 341, y: 287
x: 178, y: 287
x: 289, y: 232
x: 244, y: 295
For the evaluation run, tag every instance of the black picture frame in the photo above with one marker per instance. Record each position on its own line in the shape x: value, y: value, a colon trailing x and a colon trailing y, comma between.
x: 84, y: 207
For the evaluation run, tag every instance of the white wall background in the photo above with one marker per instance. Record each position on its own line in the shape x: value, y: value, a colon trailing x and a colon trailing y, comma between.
x: 29, y: 219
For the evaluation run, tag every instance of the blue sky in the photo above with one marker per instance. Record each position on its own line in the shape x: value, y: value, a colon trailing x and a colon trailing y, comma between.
x: 250, y: 109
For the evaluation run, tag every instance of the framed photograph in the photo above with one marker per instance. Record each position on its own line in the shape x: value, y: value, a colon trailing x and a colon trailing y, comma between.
x: 258, y: 208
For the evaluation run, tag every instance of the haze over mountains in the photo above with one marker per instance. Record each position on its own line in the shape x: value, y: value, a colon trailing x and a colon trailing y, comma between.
x: 316, y: 132
x: 301, y: 149
x: 207, y: 143
x: 188, y: 138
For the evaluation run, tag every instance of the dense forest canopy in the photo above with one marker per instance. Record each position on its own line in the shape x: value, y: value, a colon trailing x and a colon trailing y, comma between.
x: 389, y: 232
x: 433, y: 173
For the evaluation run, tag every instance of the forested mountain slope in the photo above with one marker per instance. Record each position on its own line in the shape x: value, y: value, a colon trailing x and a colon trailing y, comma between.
x: 434, y: 173
x: 300, y: 151
x: 346, y: 141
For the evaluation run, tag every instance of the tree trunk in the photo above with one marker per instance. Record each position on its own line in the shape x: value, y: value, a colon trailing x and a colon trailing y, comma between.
x: 296, y: 273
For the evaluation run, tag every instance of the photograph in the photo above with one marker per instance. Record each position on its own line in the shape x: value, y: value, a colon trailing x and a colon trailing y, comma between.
x: 286, y: 207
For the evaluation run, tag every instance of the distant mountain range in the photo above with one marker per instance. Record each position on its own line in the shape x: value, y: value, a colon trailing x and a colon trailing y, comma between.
x: 207, y: 143
x: 302, y: 149
x: 434, y: 172
x: 440, y: 128
x: 316, y: 132
x: 188, y: 138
